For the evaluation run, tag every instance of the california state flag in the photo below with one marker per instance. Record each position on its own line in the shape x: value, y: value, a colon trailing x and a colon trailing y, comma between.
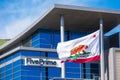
x: 81, y: 50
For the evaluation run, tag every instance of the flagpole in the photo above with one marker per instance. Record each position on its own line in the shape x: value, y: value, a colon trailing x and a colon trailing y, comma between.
x: 101, y: 50
x: 62, y: 40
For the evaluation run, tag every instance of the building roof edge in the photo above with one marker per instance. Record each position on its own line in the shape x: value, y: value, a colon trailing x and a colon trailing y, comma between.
x: 20, y: 36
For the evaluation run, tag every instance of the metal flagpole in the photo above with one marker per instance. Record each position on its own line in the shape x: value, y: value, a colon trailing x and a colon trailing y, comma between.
x: 62, y: 40
x: 102, y: 50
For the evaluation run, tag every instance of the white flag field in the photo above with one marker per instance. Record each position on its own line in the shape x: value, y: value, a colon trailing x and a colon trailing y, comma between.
x: 81, y: 50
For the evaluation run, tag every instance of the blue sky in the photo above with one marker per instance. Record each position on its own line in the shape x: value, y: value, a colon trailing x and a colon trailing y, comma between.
x: 17, y: 15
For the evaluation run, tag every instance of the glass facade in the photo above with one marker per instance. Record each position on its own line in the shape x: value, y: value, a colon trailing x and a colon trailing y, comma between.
x: 13, y: 68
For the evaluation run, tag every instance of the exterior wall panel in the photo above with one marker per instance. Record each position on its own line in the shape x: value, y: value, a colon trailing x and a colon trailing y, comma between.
x: 117, y: 60
x: 114, y: 64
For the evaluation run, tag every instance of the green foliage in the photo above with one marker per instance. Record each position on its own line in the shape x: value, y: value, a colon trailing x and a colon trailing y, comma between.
x: 3, y: 41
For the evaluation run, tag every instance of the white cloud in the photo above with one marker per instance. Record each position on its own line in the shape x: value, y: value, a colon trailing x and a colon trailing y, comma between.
x: 13, y: 29
x: 22, y: 15
x: 3, y: 34
x: 18, y: 19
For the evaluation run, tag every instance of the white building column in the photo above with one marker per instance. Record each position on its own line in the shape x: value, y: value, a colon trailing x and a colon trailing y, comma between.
x: 62, y: 40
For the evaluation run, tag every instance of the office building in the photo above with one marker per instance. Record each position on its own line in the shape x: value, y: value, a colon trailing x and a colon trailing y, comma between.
x: 32, y: 54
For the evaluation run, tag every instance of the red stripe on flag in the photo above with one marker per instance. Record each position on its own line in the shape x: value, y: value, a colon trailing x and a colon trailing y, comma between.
x: 95, y: 58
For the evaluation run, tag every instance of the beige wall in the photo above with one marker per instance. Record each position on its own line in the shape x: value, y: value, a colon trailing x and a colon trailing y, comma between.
x: 117, y: 61
x: 112, y: 62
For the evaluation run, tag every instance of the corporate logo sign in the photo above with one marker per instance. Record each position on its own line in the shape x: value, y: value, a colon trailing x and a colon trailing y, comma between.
x: 35, y: 61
